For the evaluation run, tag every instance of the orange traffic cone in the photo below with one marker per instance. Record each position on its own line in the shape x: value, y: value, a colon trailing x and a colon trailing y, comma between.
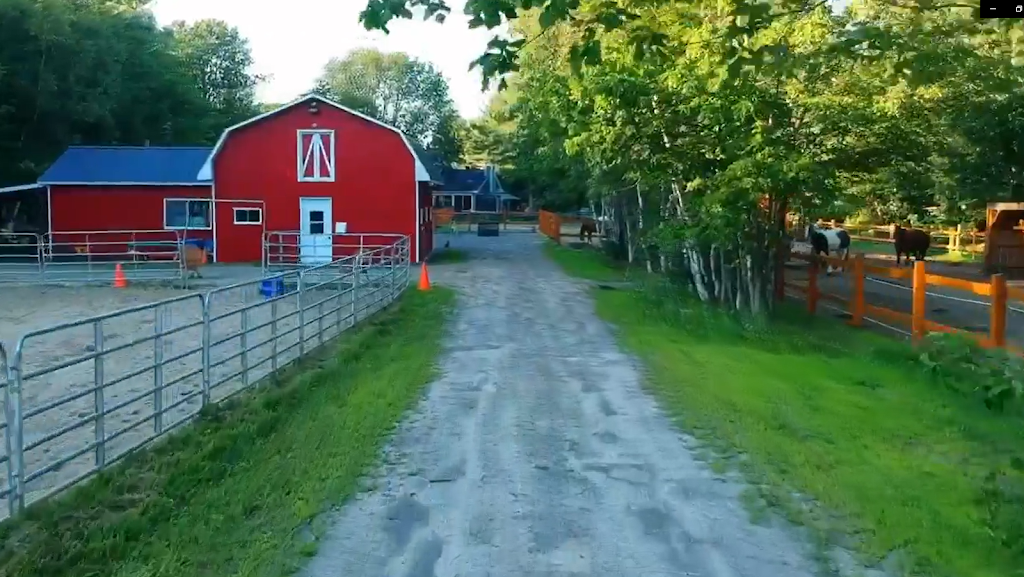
x: 424, y: 278
x: 119, y: 280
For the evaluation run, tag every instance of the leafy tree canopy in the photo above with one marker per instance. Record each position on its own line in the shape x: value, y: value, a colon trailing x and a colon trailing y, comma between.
x: 104, y: 72
x: 696, y: 125
x: 398, y: 90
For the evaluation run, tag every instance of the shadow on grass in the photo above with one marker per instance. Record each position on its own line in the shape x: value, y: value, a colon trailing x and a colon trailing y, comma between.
x: 448, y: 256
x: 231, y: 493
x: 588, y: 262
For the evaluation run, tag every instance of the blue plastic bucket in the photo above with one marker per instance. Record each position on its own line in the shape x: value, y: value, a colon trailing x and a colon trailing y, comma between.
x: 272, y: 287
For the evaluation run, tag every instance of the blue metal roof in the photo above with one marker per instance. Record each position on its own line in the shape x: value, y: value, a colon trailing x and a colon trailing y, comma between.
x: 125, y: 165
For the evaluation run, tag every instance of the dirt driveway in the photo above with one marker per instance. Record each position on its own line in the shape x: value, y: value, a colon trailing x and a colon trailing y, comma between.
x: 536, y: 452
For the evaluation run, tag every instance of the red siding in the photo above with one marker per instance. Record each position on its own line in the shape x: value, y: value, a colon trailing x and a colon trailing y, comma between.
x: 119, y: 212
x: 238, y: 242
x: 375, y: 178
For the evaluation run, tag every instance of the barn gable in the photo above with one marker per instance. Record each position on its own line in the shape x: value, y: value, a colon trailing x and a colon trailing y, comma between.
x: 127, y: 166
x: 206, y: 171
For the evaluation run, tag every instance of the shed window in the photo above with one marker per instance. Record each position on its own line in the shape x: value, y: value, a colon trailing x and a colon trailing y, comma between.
x: 183, y: 213
x: 248, y: 216
x: 316, y: 155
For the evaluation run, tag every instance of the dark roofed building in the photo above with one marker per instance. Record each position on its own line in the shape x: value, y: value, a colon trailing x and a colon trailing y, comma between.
x: 473, y: 190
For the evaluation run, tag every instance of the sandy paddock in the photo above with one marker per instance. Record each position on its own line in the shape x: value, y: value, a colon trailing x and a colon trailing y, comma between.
x: 131, y: 393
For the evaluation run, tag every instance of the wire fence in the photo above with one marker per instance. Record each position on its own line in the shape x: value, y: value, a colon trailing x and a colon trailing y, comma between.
x: 68, y: 258
x: 292, y: 250
x: 81, y: 395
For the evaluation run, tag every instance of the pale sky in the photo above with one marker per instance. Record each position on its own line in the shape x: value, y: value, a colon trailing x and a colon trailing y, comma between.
x: 292, y: 40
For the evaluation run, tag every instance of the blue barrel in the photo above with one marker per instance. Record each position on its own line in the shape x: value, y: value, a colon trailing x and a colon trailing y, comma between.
x: 272, y: 287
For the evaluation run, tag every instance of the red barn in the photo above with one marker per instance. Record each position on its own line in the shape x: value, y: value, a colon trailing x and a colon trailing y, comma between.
x: 320, y: 174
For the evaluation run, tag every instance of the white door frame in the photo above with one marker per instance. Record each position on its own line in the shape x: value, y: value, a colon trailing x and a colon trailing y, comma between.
x: 316, y: 248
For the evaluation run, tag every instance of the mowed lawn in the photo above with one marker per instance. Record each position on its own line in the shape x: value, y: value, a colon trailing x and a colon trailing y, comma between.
x: 240, y: 492
x: 588, y: 264
x: 840, y: 430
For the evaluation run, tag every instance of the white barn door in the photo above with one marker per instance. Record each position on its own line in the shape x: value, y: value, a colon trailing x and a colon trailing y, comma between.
x: 315, y: 246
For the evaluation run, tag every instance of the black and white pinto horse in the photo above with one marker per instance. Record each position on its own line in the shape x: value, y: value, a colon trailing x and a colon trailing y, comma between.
x: 829, y: 241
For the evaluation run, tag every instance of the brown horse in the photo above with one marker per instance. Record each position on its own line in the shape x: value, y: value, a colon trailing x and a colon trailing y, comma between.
x: 910, y: 241
x: 588, y: 229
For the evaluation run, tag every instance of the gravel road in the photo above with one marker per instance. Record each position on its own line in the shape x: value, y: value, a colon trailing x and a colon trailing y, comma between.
x: 537, y: 453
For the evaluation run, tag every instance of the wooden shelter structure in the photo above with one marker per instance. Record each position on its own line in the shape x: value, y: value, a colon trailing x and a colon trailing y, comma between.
x: 1004, y: 239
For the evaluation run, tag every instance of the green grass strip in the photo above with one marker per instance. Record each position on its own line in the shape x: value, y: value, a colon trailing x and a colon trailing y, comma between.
x: 884, y: 459
x: 238, y: 492
x: 585, y: 262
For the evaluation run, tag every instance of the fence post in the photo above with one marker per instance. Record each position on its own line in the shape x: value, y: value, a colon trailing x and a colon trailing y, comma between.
x: 41, y: 253
x: 158, y: 370
x: 12, y: 435
x: 99, y: 405
x: 355, y: 287
x: 243, y: 345
x: 394, y: 257
x: 997, y: 311
x: 302, y: 313
x: 207, y: 338
x: 918, y: 308
x: 812, y: 286
x: 407, y: 251
x: 273, y: 330
x: 857, y: 300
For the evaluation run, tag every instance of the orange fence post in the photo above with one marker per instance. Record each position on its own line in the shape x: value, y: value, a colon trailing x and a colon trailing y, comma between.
x: 812, y: 287
x: 857, y: 302
x: 550, y: 225
x: 918, y: 308
x: 997, y: 312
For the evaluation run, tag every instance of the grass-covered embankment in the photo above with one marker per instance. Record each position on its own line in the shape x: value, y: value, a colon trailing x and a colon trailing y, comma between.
x: 585, y: 263
x: 896, y: 464
x: 238, y: 493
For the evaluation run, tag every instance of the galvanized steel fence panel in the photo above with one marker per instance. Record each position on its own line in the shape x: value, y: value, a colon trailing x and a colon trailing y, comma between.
x: 79, y: 396
x: 68, y: 258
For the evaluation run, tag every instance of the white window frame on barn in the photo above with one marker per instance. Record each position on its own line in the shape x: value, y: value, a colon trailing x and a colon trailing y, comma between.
x: 319, y: 155
x: 193, y: 220
x: 257, y: 210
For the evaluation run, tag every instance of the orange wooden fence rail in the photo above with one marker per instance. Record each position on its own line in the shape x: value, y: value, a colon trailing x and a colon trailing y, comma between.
x: 995, y: 289
x: 551, y: 225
